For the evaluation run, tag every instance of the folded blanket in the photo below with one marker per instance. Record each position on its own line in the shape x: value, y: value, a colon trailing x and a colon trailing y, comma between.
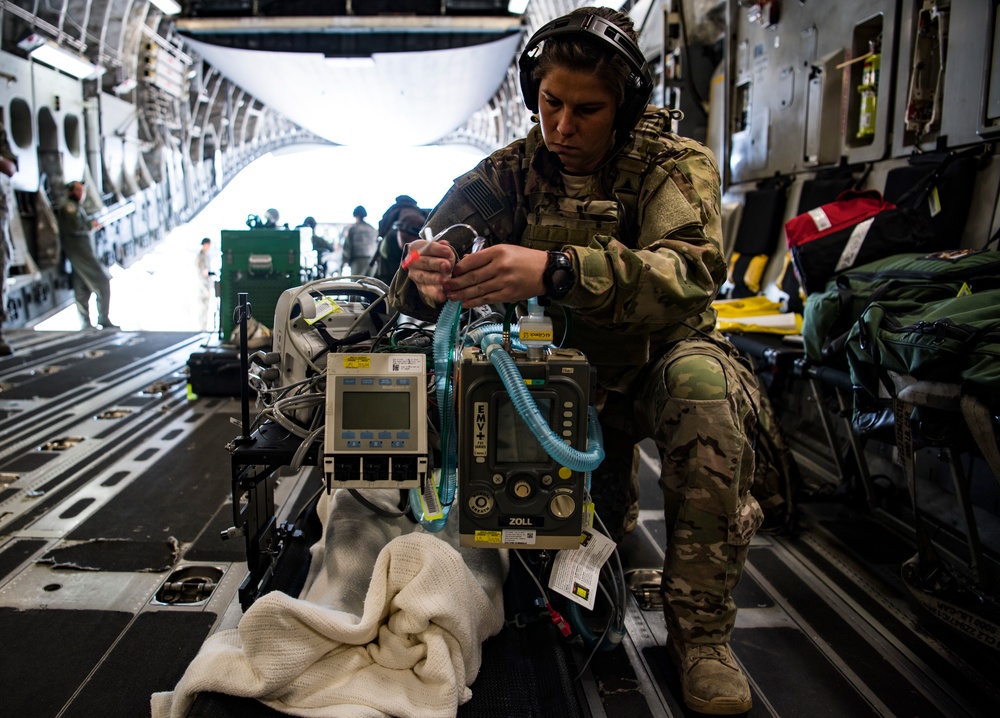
x: 391, y: 623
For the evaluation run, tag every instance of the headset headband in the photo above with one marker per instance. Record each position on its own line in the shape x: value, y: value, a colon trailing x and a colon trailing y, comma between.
x: 594, y: 26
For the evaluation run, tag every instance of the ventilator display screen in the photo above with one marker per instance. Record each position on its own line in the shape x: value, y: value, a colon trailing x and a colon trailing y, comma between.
x: 375, y: 410
x: 515, y: 442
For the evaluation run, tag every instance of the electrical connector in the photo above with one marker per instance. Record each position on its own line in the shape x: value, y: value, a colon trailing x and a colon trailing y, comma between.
x: 559, y: 621
x: 262, y: 358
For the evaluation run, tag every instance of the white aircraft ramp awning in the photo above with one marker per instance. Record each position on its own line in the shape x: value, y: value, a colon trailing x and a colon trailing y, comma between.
x: 396, y: 98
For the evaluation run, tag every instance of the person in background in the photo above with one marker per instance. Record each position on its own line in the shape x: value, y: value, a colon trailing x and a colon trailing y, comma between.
x: 615, y: 219
x: 8, y: 167
x: 206, y: 286
x: 89, y: 275
x: 360, y: 243
x: 271, y: 218
x: 320, y: 245
x: 399, y: 225
x: 406, y: 229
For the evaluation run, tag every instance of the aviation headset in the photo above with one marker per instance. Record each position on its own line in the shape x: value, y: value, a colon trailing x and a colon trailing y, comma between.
x: 638, y: 87
x: 410, y: 227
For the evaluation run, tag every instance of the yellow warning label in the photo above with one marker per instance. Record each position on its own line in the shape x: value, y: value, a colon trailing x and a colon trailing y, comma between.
x: 488, y: 537
x: 934, y: 202
x: 357, y: 361
x: 324, y: 307
x: 535, y: 336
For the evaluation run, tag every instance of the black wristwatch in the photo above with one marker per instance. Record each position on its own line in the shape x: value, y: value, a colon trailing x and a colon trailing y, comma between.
x: 558, y: 276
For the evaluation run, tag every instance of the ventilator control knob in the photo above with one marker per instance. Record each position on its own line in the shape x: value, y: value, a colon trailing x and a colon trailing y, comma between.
x: 562, y: 506
x: 480, y: 504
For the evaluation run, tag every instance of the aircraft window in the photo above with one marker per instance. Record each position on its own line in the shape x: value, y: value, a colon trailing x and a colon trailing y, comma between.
x: 71, y: 130
x: 20, y: 123
x: 47, y: 132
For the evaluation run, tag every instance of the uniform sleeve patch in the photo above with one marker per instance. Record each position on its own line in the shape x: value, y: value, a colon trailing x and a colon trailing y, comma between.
x: 672, y: 212
x: 481, y: 197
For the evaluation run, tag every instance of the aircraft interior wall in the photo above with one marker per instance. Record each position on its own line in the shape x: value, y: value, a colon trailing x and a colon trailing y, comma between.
x: 864, y: 91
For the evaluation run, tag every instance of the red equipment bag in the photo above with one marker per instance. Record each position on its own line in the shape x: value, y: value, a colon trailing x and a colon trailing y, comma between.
x: 856, y: 228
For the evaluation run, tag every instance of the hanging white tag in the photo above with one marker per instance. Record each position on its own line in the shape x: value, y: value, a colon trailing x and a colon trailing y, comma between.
x: 575, y: 573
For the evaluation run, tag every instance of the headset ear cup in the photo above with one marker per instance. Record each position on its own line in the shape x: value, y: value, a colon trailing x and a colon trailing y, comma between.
x: 636, y: 99
x: 529, y: 88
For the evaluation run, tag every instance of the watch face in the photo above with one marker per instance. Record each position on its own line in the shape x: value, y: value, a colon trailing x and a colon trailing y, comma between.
x: 560, y: 280
x: 558, y: 275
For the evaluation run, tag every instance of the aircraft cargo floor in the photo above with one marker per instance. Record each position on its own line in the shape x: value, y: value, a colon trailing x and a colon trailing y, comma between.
x: 113, y: 479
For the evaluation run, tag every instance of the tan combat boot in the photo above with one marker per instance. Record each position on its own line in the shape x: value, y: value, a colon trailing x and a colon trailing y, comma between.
x: 711, y: 679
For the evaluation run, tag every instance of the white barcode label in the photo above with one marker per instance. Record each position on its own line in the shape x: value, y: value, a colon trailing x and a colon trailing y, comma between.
x: 430, y: 505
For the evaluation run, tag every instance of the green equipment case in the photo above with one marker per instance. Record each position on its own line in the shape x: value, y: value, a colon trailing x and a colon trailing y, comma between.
x: 261, y: 262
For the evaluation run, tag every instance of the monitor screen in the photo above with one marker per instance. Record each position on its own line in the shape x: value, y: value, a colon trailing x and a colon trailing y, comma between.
x: 515, y: 442
x: 375, y: 410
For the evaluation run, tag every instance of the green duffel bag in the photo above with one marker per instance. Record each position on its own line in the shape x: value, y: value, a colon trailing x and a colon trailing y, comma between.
x: 954, y: 341
x: 829, y: 316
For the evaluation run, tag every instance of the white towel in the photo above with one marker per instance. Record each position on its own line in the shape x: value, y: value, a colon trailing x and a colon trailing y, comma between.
x: 391, y: 623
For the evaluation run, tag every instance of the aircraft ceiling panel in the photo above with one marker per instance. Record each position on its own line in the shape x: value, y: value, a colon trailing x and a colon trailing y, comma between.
x: 398, y: 98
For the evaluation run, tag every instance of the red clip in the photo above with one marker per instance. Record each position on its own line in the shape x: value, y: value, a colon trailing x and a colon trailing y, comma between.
x: 409, y: 259
x: 559, y: 621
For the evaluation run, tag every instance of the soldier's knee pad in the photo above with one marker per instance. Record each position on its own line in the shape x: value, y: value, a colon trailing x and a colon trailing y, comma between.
x: 697, y: 377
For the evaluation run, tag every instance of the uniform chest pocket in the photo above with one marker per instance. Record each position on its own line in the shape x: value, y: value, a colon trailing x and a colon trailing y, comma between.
x: 566, y: 221
x: 551, y: 237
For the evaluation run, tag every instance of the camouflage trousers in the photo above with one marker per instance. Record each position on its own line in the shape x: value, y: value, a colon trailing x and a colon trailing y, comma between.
x: 698, y: 403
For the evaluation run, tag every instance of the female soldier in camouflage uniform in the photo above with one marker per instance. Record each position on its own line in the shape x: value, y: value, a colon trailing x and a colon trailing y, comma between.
x: 606, y: 212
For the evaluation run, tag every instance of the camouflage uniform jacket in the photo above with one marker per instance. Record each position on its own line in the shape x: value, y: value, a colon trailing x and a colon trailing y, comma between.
x: 644, y: 236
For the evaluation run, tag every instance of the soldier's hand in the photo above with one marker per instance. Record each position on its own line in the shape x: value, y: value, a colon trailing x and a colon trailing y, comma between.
x: 501, y: 273
x: 430, y: 264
